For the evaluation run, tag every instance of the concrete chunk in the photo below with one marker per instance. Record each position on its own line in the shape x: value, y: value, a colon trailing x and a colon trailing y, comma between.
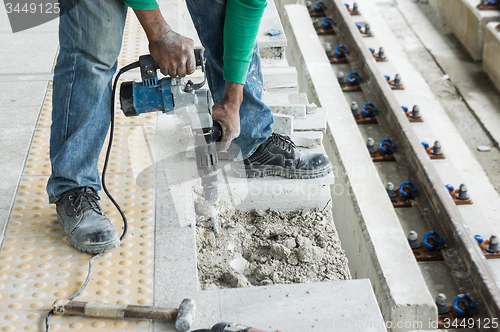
x: 307, y: 139
x: 283, y: 124
x: 281, y: 79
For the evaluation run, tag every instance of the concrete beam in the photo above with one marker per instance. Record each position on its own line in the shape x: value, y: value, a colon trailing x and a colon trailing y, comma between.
x: 491, y: 52
x: 468, y: 23
x: 364, y: 223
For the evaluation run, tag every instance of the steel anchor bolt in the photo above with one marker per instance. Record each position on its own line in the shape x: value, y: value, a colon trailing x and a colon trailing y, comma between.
x: 316, y: 24
x: 390, y: 189
x: 493, y: 246
x: 368, y: 30
x: 484, y: 2
x: 341, y: 78
x: 415, y: 112
x: 309, y: 6
x: 328, y: 50
x: 370, y: 144
x: 436, y: 149
x: 462, y: 192
x: 413, y: 240
x: 397, y: 80
x: 441, y: 304
x: 381, y: 53
x: 354, y: 108
x: 355, y: 7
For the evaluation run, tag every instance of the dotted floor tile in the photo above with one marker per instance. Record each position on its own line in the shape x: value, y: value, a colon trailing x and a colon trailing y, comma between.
x: 36, y: 271
x: 33, y: 215
x: 133, y: 150
x: 30, y: 321
x: 135, y: 42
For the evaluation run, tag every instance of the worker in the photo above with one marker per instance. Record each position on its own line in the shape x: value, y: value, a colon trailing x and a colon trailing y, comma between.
x: 90, y: 38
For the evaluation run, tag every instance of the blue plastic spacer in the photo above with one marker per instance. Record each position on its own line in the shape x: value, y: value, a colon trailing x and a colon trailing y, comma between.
x: 436, y: 236
x: 354, y: 77
x: 371, y: 49
x: 450, y: 187
x: 459, y: 311
x: 425, y: 144
x: 359, y: 26
x: 347, y: 5
x: 478, y: 238
x: 412, y: 187
x: 381, y: 145
x: 318, y: 5
x: 365, y: 112
x: 387, y: 77
x: 341, y: 47
x: 328, y: 25
x: 403, y: 107
x: 493, y: 2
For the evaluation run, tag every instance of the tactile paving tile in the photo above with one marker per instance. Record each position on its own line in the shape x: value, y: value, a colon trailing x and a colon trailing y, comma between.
x: 135, y: 42
x: 36, y: 271
x: 30, y: 321
x: 33, y: 215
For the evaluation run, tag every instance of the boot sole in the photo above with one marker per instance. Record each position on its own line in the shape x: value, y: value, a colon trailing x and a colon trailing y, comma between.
x: 243, y: 171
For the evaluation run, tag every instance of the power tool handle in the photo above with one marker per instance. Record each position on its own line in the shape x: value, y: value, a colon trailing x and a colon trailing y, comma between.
x: 199, y: 56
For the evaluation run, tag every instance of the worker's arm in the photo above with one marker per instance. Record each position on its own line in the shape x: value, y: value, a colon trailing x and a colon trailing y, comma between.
x: 240, y: 31
x: 173, y: 52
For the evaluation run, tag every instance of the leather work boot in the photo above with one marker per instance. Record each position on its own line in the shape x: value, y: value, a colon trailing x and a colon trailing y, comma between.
x: 278, y: 156
x: 87, y: 227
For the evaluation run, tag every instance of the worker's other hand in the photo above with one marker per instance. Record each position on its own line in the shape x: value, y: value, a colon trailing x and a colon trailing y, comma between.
x: 174, y: 53
x: 227, y: 112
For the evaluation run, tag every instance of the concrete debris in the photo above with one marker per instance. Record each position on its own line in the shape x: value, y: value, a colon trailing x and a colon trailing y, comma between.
x: 269, y: 247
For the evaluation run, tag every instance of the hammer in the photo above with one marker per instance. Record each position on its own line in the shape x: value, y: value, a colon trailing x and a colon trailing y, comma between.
x: 183, y: 316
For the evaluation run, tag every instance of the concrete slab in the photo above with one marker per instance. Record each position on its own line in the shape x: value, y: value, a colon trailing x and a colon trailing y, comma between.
x: 308, y: 139
x: 468, y: 23
x: 271, y: 46
x: 291, y: 308
x: 491, y: 54
x: 358, y: 212
x: 17, y: 94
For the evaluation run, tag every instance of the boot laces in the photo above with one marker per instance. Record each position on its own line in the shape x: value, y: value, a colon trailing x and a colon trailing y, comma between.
x: 285, y: 142
x: 85, y: 200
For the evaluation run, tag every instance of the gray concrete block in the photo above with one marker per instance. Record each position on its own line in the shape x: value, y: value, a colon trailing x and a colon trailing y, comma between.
x: 468, y: 23
x: 280, y: 79
x: 283, y: 124
x: 313, y: 121
x: 285, y: 194
x: 491, y: 53
x: 284, y: 98
x: 307, y: 139
x: 295, y: 110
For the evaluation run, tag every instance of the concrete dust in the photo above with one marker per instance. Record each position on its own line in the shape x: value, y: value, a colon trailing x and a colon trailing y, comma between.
x: 260, y: 248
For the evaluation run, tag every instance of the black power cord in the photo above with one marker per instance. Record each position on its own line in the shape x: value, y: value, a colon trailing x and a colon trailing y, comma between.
x: 103, y: 180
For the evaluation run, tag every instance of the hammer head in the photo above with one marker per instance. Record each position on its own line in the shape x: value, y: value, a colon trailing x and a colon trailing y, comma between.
x: 185, y: 315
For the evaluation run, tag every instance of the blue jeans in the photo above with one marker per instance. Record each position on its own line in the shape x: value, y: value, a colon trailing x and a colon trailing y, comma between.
x: 90, y: 37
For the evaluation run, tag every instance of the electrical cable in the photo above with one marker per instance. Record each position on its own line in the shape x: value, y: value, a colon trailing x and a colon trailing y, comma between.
x: 103, y: 181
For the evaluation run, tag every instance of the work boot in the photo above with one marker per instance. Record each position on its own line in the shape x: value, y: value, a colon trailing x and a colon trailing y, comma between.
x: 87, y: 227
x: 278, y: 156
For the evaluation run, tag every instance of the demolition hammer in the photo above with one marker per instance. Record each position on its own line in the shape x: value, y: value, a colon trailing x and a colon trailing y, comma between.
x: 187, y: 100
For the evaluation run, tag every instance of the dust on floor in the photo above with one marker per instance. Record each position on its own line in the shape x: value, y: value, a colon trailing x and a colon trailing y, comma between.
x: 260, y: 248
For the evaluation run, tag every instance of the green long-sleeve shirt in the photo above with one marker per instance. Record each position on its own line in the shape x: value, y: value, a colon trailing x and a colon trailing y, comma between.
x: 240, y: 31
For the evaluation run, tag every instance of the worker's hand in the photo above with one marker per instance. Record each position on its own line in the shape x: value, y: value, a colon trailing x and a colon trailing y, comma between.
x: 172, y: 51
x: 227, y: 112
